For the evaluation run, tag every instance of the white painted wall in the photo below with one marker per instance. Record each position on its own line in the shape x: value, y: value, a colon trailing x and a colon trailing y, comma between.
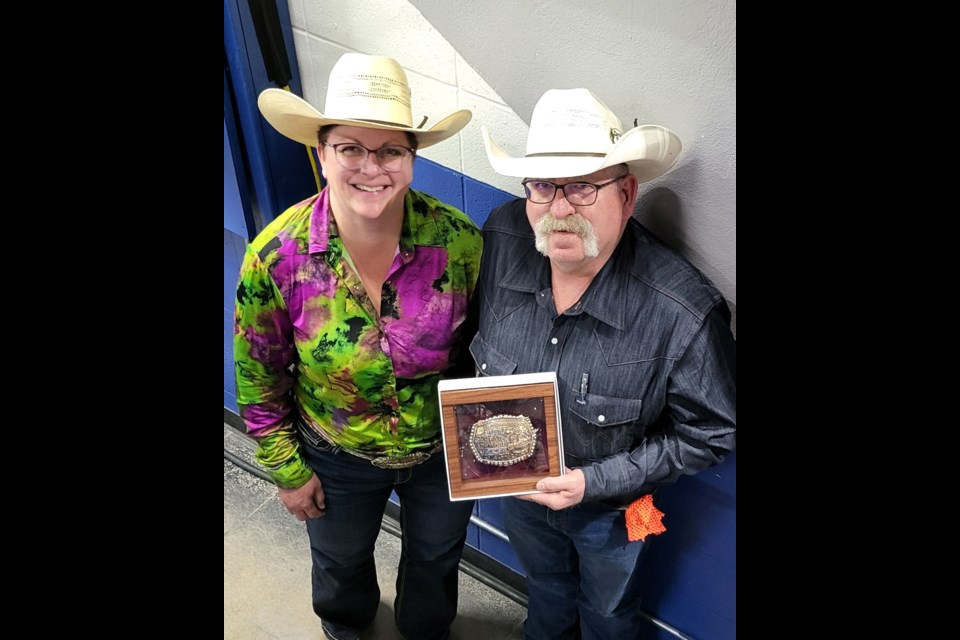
x: 667, y: 63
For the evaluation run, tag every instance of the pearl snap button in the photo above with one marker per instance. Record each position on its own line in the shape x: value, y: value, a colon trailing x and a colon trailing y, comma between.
x: 553, y: 341
x: 484, y: 366
x: 601, y: 418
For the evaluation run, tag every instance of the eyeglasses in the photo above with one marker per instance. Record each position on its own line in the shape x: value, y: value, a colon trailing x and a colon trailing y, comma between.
x: 577, y: 193
x: 351, y: 155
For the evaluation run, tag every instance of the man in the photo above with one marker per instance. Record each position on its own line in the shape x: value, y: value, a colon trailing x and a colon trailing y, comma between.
x: 639, y: 340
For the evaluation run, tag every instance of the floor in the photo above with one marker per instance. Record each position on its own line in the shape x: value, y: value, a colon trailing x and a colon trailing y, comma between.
x: 266, y: 571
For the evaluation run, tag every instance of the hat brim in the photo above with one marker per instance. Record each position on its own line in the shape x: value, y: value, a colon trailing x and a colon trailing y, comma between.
x: 649, y: 150
x: 298, y: 120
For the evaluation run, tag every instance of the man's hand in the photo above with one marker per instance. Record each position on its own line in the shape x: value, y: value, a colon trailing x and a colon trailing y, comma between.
x: 559, y: 492
x: 306, y: 501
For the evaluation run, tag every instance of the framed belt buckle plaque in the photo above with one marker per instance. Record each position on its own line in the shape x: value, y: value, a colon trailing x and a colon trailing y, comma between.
x: 500, y: 434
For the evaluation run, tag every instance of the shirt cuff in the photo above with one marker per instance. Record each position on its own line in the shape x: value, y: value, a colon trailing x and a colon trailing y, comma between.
x: 292, y: 474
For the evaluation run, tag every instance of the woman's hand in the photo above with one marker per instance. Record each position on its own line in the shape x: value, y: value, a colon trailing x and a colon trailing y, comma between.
x: 306, y: 501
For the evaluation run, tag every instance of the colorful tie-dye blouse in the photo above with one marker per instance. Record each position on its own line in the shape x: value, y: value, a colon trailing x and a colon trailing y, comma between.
x: 306, y: 336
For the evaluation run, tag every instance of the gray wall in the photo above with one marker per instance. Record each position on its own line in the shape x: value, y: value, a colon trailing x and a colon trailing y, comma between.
x: 667, y: 63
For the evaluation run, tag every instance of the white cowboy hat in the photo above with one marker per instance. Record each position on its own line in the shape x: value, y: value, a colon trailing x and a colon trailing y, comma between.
x: 572, y: 133
x: 363, y: 91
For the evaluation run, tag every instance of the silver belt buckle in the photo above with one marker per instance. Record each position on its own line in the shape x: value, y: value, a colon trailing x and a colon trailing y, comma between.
x: 503, y: 440
x: 401, y: 462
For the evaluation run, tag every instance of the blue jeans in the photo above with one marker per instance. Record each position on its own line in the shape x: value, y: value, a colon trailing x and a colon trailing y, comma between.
x: 434, y: 529
x: 581, y: 571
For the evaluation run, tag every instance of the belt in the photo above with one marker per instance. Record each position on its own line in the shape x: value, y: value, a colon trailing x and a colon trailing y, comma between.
x: 398, y: 462
x: 383, y: 461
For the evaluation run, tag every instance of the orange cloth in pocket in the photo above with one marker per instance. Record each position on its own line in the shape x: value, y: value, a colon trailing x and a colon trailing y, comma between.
x: 643, y: 519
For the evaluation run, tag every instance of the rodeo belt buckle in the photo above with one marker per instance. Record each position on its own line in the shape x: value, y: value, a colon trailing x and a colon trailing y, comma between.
x: 503, y: 440
x: 401, y: 462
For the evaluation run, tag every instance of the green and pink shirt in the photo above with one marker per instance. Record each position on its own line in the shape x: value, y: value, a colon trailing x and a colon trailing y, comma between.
x: 307, y: 339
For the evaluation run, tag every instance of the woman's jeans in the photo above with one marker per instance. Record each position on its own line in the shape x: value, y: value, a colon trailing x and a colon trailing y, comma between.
x: 345, y: 589
x: 581, y: 571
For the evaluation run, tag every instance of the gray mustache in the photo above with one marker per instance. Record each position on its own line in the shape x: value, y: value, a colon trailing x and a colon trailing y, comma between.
x: 574, y: 224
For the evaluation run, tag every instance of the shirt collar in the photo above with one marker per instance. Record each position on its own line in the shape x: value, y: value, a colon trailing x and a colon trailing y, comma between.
x: 603, y: 298
x: 323, y: 226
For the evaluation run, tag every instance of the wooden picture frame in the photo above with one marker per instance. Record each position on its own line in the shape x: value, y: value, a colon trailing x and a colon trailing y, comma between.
x: 500, y: 434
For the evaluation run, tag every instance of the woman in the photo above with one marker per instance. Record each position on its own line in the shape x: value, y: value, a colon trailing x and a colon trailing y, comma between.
x: 350, y: 307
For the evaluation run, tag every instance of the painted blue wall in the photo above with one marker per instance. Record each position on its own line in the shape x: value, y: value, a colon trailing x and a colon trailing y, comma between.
x: 689, y: 573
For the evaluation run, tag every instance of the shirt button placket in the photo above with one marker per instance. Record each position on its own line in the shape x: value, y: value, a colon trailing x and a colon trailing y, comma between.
x: 553, y: 351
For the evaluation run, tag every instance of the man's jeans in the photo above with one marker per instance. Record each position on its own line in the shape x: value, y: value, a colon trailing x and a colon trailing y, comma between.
x: 345, y: 589
x: 581, y: 570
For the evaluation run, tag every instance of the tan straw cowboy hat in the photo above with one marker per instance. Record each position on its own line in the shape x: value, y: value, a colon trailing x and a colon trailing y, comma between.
x: 573, y: 133
x: 363, y: 91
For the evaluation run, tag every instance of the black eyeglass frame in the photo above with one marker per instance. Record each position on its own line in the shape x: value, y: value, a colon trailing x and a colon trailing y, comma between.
x: 558, y: 187
x: 366, y: 154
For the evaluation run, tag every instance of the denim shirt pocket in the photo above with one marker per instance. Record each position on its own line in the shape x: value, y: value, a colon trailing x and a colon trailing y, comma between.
x: 488, y: 360
x: 604, y: 424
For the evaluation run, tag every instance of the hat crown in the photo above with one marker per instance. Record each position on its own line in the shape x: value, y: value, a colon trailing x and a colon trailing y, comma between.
x: 363, y: 91
x: 572, y: 121
x: 369, y: 88
x: 573, y: 133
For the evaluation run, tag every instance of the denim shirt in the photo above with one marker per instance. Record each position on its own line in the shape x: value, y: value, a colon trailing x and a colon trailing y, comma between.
x: 645, y: 361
